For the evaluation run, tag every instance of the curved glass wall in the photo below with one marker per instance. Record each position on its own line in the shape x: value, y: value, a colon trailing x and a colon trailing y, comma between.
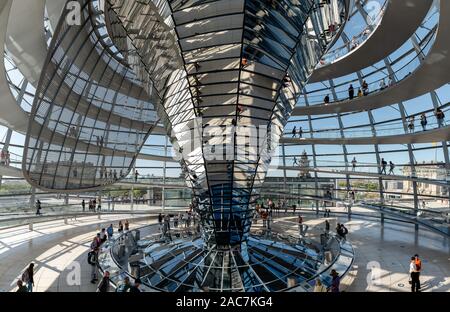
x: 333, y: 172
x: 90, y: 116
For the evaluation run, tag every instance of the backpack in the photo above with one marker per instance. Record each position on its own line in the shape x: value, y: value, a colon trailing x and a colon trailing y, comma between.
x: 25, y: 276
x: 91, y: 258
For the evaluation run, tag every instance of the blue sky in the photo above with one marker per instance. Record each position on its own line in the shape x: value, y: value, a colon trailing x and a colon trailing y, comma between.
x: 354, y: 27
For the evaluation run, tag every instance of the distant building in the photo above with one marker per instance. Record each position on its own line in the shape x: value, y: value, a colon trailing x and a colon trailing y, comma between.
x: 297, y: 188
x: 393, y: 186
x: 433, y: 171
x: 304, y: 166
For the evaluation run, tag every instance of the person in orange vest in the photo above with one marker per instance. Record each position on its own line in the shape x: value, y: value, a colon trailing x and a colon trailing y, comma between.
x: 418, y: 263
x: 414, y: 275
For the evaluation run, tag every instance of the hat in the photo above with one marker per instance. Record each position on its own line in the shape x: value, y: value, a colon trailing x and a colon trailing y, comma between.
x: 137, y: 281
x: 334, y: 273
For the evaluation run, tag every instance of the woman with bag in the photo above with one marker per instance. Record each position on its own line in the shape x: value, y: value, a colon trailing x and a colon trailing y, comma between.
x: 27, y: 277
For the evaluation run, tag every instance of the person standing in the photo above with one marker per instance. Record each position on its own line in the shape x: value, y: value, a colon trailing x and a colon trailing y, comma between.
x: 300, y: 132
x: 83, y: 204
x: 294, y: 132
x: 391, y: 167
x: 382, y: 84
x: 104, y: 283
x: 335, y: 281
x: 110, y: 231
x: 411, y: 124
x: 93, y: 257
x: 351, y: 92
x: 160, y: 220
x: 269, y: 218
x: 189, y: 219
x: 418, y: 263
x: 300, y: 225
x: 344, y: 231
x: 175, y: 221
x: 28, y: 277
x: 423, y: 121
x: 167, y: 222
x: 7, y: 158
x: 38, y: 207
x: 390, y: 82
x: 120, y: 230
x: 127, y: 225
x: 339, y: 230
x: 354, y: 164
x: 414, y: 275
x: 383, y: 166
x: 439, y: 117
x: 360, y: 93
x: 136, y: 174
x: 365, y: 88
x: 103, y: 236
x: 327, y: 226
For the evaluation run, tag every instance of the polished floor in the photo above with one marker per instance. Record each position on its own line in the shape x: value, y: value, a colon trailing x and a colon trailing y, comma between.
x: 381, y: 261
x: 383, y: 254
x: 55, y: 248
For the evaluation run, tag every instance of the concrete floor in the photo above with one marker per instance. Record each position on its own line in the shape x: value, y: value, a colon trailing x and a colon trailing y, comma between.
x: 54, y: 247
x: 387, y: 250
